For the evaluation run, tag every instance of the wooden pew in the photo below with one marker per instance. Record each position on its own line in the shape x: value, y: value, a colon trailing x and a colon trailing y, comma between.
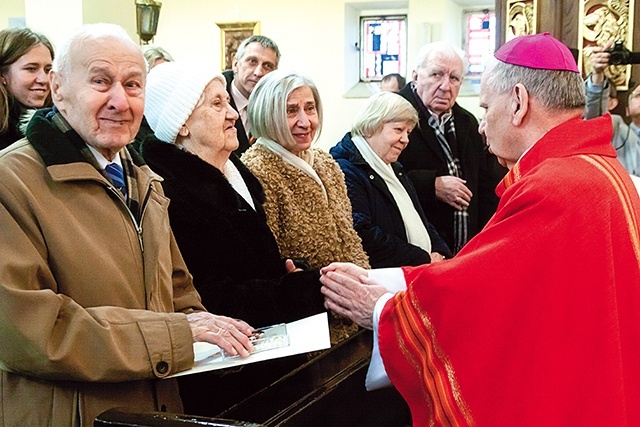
x: 325, y: 390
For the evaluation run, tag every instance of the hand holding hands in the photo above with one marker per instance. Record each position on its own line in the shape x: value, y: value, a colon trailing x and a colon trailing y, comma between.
x: 350, y: 293
x: 436, y: 257
x: 453, y: 191
x: 291, y: 267
x: 229, y: 334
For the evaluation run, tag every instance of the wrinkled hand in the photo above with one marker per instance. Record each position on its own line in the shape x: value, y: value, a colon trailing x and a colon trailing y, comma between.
x: 436, y: 257
x: 354, y: 298
x: 600, y: 62
x: 346, y: 269
x: 291, y: 267
x: 453, y: 191
x: 229, y: 334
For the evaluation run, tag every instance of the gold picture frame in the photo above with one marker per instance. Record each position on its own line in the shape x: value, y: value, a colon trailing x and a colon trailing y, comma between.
x: 521, y: 18
x: 231, y: 35
x: 601, y: 21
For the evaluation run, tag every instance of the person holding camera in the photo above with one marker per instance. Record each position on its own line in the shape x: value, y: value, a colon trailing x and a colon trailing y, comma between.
x: 602, y: 98
x: 633, y: 110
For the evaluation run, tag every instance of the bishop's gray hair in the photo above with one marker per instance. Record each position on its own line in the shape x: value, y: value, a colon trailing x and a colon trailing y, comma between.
x: 553, y: 89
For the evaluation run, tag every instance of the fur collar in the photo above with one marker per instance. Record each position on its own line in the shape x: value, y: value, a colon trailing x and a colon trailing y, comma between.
x: 194, y: 174
x: 55, y: 147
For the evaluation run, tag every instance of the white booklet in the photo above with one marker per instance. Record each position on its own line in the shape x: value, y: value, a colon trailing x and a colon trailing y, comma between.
x: 305, y: 335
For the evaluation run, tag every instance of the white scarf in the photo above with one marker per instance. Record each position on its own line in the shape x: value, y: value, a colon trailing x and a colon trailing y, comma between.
x: 304, y: 163
x: 231, y: 172
x: 416, y: 231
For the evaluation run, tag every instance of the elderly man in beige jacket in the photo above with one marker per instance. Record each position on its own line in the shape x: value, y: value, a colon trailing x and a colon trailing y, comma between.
x: 96, y: 304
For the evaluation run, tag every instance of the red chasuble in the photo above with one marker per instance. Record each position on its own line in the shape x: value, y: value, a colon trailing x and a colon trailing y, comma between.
x: 536, y: 322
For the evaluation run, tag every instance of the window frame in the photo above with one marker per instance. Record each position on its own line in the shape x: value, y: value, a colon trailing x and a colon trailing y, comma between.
x: 403, y: 41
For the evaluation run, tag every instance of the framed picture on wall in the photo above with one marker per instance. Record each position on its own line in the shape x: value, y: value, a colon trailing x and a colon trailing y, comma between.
x: 521, y: 18
x: 231, y: 35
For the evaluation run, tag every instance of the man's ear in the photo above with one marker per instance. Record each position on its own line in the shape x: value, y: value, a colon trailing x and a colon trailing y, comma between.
x: 54, y: 83
x: 519, y: 104
x: 414, y: 75
x: 613, y: 103
x: 234, y: 65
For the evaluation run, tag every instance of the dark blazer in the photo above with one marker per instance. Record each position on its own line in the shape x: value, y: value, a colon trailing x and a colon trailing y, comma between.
x: 424, y: 160
x: 227, y: 246
x: 376, y: 216
x: 243, y: 140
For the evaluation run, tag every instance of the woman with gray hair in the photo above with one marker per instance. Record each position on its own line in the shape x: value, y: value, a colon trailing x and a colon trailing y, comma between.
x: 217, y: 218
x: 216, y: 203
x: 155, y: 55
x: 306, y: 204
x: 386, y: 211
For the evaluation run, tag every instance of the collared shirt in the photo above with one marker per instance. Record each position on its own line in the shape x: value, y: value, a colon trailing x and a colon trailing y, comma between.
x: 102, y: 161
x: 95, y: 158
x: 241, y: 104
x: 442, y: 120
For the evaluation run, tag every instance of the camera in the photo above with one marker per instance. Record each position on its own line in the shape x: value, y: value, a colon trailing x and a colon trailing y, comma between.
x: 620, y: 55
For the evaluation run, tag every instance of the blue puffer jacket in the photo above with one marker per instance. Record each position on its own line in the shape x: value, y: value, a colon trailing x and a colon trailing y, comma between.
x: 376, y: 216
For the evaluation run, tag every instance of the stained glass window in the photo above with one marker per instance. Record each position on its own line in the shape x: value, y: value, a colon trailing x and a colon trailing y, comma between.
x: 383, y: 46
x: 480, y: 39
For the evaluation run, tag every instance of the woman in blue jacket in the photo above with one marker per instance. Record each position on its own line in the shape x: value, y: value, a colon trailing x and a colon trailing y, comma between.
x: 386, y: 212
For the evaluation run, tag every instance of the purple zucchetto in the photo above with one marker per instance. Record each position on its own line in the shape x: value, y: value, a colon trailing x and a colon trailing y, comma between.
x: 538, y: 51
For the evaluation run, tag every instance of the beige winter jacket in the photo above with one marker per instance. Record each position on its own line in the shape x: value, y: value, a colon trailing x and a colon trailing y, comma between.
x: 89, y: 309
x: 304, y: 223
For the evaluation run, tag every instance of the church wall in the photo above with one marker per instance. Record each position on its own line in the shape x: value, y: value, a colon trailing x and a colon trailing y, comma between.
x: 314, y: 37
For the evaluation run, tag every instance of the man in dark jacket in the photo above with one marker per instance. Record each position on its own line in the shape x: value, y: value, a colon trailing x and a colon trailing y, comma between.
x: 256, y: 57
x: 446, y: 159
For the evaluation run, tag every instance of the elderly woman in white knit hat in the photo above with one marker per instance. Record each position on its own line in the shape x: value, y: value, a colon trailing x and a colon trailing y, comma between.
x: 216, y: 205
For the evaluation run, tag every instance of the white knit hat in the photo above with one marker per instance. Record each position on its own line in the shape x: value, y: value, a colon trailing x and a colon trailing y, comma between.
x: 173, y: 90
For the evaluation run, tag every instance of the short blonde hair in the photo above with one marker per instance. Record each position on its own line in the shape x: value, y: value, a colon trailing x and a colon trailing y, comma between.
x: 382, y: 108
x: 267, y: 107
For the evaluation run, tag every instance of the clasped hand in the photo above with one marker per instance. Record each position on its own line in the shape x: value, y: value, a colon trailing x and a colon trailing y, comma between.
x: 229, y: 334
x: 350, y: 292
x: 453, y: 191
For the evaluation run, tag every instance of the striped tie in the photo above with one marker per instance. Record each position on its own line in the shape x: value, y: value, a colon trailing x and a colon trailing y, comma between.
x: 116, y: 175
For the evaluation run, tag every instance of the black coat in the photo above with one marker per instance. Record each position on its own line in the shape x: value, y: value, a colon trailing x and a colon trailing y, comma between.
x: 243, y: 140
x: 13, y: 132
x: 376, y: 216
x: 227, y: 245
x: 424, y: 160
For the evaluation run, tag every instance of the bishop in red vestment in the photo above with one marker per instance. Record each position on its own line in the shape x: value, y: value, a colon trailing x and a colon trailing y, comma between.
x: 536, y: 322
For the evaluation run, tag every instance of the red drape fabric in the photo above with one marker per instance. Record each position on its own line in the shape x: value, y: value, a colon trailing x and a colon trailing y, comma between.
x: 536, y: 322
